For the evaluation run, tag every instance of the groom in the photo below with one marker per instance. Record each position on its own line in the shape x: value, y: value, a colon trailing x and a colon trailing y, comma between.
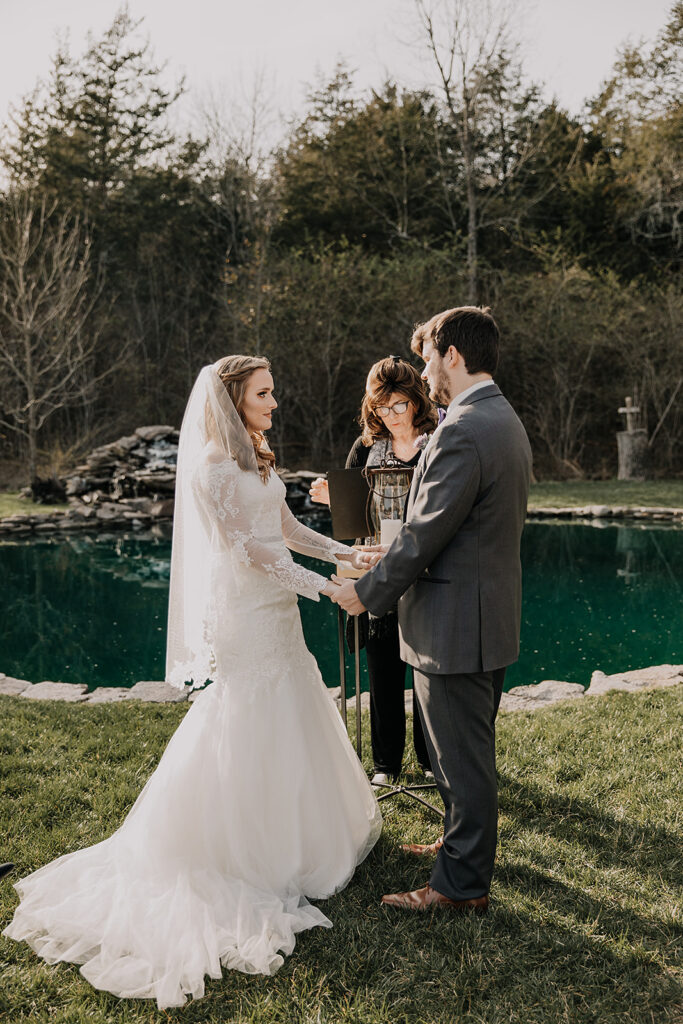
x: 455, y: 567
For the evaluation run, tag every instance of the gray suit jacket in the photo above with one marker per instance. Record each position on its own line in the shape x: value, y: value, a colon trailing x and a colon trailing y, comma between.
x: 455, y: 565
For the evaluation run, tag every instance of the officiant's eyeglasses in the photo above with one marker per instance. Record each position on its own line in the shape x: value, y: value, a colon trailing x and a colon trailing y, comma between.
x: 398, y: 407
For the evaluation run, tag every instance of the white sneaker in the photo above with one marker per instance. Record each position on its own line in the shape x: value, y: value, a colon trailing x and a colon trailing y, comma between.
x: 380, y: 779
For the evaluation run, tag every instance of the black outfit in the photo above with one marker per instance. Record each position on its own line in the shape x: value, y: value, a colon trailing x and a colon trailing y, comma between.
x: 387, y: 672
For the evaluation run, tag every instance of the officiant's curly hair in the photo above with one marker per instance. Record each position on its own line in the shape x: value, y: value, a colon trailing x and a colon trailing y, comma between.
x: 394, y: 375
x: 235, y: 371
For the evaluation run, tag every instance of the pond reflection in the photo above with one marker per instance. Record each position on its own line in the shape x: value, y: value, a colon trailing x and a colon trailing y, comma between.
x: 93, y: 609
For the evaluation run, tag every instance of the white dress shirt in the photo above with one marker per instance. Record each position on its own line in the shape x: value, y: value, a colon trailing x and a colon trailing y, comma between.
x: 461, y: 398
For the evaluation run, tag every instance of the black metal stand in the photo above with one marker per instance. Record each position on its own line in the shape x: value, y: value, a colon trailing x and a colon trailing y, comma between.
x: 342, y: 676
x: 393, y: 789
x: 396, y: 789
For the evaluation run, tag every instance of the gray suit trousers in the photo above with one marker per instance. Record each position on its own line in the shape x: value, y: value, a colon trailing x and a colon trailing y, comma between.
x: 458, y: 715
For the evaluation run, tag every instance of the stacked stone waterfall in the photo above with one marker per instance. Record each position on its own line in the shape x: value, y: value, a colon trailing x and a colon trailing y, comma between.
x: 130, y: 481
x: 130, y: 484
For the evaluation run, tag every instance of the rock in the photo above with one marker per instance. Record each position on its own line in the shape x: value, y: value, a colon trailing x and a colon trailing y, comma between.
x: 73, y: 692
x: 156, y: 481
x: 107, y: 695
x: 154, y: 432
x: 76, y: 485
x: 351, y: 702
x: 13, y: 687
x: 83, y: 512
x: 136, y: 517
x: 636, y: 679
x: 539, y: 695
x: 101, y: 460
x: 162, y: 509
x: 598, y: 511
x: 108, y: 514
x: 335, y: 694
x: 560, y: 513
x: 125, y: 445
x: 139, y: 504
x: 159, y: 692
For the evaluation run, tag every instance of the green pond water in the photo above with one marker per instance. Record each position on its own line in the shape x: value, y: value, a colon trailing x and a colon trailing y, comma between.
x: 93, y: 609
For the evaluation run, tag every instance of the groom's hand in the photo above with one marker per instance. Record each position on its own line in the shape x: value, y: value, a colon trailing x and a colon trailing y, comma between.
x: 346, y: 596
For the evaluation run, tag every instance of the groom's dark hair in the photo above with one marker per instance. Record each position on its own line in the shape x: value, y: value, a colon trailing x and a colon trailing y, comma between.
x: 473, y: 332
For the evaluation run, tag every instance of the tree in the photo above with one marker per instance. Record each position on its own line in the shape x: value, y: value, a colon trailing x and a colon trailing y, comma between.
x: 100, y: 119
x: 639, y: 115
x: 492, y: 125
x: 360, y: 170
x: 47, y: 339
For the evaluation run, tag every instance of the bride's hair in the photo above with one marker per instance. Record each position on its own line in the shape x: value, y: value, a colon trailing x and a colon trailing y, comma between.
x: 234, y: 372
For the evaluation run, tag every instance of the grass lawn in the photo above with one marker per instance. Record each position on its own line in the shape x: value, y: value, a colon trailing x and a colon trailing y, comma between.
x: 585, y: 924
x: 566, y: 493
x: 10, y: 503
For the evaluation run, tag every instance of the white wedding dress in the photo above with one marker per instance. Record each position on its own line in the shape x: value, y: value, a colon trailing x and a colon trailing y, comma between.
x: 258, y: 802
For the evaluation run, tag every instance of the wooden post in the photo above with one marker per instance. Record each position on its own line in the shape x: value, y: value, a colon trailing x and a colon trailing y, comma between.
x: 632, y: 445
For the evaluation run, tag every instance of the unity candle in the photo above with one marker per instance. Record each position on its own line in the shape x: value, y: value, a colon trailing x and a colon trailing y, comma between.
x: 389, y: 530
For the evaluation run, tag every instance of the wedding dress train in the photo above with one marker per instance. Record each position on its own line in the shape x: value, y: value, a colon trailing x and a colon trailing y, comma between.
x: 258, y: 802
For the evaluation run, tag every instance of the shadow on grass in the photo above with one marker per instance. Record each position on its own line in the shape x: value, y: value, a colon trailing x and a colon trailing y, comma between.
x: 615, y: 842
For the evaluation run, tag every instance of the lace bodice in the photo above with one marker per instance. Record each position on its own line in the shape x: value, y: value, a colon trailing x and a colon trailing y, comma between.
x: 251, y: 520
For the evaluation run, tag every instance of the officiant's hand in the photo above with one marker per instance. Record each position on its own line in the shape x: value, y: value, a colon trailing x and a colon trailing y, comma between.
x: 358, y: 558
x: 346, y: 597
x: 371, y: 554
x: 320, y: 491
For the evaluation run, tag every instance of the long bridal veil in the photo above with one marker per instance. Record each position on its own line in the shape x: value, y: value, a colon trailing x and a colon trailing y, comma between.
x: 198, y: 541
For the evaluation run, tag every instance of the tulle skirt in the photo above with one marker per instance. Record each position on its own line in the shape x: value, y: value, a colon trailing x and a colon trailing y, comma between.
x: 258, y: 802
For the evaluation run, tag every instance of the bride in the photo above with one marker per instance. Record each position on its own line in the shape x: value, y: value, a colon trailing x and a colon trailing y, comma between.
x: 259, y: 800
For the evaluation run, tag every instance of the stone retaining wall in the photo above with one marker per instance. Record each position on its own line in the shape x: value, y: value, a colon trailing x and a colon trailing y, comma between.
x: 520, y: 698
x: 650, y: 512
x: 143, y: 512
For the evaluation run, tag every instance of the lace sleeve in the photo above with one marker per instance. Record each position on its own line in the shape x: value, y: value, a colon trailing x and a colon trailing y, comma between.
x: 307, y: 542
x: 218, y: 480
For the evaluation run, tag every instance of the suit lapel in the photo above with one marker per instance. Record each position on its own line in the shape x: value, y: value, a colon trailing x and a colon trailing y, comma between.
x: 490, y: 391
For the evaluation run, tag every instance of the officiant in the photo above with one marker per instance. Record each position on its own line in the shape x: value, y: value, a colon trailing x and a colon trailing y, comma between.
x: 396, y: 417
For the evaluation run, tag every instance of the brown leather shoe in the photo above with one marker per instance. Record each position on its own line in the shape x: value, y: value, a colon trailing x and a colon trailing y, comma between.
x: 421, y: 848
x: 427, y: 898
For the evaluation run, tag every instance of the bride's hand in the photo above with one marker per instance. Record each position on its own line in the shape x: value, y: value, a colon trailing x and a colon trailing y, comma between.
x: 330, y: 588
